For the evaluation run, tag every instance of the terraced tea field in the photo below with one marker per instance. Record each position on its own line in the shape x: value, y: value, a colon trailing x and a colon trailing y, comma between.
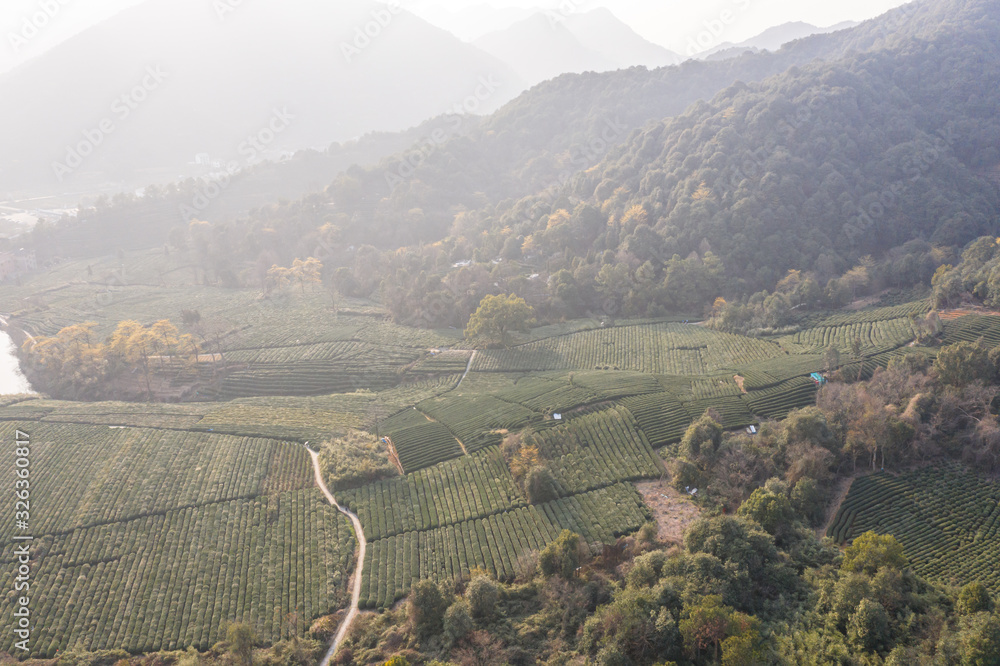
x: 946, y: 517
x: 874, y: 336
x: 972, y: 327
x: 459, y: 490
x: 169, y: 580
x: 129, y: 487
x: 597, y: 450
x: 477, y: 421
x: 496, y: 543
x: 675, y: 349
x: 776, y: 401
x: 160, y: 537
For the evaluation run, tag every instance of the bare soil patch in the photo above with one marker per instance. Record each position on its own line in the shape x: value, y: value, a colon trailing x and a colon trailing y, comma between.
x: 956, y: 313
x: 673, y: 511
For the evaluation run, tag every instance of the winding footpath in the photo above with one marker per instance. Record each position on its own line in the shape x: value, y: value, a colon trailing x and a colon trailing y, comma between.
x: 467, y: 368
x: 358, y: 570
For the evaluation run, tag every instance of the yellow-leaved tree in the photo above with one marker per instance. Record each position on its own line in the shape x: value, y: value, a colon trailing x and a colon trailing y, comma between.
x: 496, y: 317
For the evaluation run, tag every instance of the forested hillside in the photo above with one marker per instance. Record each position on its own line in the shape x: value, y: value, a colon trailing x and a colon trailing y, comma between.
x: 891, y: 137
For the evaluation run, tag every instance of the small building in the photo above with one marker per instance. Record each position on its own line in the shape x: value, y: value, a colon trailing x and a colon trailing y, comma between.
x: 818, y: 378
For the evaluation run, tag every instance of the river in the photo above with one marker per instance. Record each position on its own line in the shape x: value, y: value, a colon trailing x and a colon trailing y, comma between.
x: 12, y: 380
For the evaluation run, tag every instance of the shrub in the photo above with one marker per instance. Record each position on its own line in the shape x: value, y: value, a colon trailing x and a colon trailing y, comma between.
x: 482, y: 595
x: 458, y: 621
x: 539, y: 486
x: 241, y: 639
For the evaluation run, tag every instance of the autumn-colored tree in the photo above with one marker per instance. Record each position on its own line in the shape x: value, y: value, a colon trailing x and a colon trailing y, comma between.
x: 278, y: 277
x: 73, y: 360
x: 306, y: 272
x: 134, y: 345
x: 241, y: 638
x: 497, y: 316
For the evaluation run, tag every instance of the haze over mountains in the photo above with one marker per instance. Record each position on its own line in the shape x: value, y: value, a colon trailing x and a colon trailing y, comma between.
x: 315, y: 89
x: 771, y: 39
x: 221, y: 79
x: 548, y: 44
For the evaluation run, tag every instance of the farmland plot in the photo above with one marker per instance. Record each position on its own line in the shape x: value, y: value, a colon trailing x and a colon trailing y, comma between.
x: 776, y: 401
x: 875, y: 337
x: 419, y: 442
x: 496, y: 543
x: 679, y: 349
x: 477, y: 421
x: 456, y: 491
x: 174, y: 579
x: 94, y: 475
x: 154, y: 539
x: 946, y: 517
x: 661, y: 416
x: 597, y: 450
x: 972, y: 327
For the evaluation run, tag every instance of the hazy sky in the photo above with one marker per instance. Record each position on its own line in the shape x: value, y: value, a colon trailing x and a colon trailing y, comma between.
x: 671, y: 23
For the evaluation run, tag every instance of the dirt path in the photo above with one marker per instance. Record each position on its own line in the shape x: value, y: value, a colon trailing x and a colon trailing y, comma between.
x: 358, y: 569
x: 843, y: 487
x: 467, y: 368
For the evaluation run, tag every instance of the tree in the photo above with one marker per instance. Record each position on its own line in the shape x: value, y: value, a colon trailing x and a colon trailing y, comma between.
x: 807, y: 500
x: 277, y: 277
x: 770, y: 510
x: 706, y: 626
x: 133, y: 344
x: 497, y: 316
x: 540, y: 485
x: 831, y: 359
x: 73, y: 360
x: 871, y: 551
x: 241, y: 639
x: 963, y: 363
x: 702, y: 438
x: 868, y: 627
x: 562, y: 556
x: 974, y: 598
x: 306, y: 272
x: 426, y: 607
x: 979, y: 640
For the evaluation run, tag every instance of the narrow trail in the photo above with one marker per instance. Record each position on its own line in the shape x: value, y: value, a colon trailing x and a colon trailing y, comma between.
x: 358, y: 570
x: 467, y: 368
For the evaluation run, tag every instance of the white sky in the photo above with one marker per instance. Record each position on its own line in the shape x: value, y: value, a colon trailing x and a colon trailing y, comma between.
x: 670, y: 23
